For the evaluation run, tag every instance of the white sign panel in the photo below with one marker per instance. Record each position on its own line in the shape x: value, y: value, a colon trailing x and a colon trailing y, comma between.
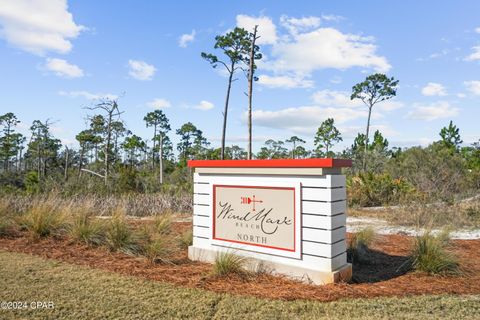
x: 262, y: 219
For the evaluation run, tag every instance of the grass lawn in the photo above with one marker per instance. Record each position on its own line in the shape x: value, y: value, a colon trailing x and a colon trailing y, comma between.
x: 84, y: 293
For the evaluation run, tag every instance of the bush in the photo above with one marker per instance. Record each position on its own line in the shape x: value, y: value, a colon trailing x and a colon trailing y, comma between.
x: 358, y: 245
x: 229, y: 263
x: 42, y: 221
x: 157, y: 249
x: 86, y: 229
x: 162, y: 223
x: 429, y: 255
x: 186, y: 239
x: 6, y: 227
x: 370, y: 189
x: 119, y: 236
x: 32, y: 182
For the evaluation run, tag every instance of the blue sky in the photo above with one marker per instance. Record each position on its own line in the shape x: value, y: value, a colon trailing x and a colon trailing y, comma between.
x: 58, y: 57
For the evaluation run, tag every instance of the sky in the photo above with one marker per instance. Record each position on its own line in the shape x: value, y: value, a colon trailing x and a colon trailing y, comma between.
x: 58, y: 57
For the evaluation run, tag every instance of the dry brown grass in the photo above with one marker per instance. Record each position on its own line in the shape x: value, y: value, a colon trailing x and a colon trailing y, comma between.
x: 437, y: 215
x: 139, y: 205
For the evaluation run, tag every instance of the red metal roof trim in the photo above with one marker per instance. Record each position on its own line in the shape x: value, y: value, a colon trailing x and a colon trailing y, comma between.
x: 273, y: 163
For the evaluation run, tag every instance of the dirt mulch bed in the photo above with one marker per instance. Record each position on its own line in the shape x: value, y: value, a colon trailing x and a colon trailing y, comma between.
x: 382, y: 277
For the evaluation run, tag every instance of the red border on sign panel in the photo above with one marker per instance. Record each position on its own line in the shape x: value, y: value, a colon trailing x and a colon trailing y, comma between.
x: 254, y: 244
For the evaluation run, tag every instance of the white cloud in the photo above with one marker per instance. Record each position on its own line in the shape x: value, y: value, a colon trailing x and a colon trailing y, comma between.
x: 475, y: 55
x: 266, y: 28
x: 237, y: 139
x: 306, y: 48
x: 473, y: 86
x: 325, y: 48
x: 63, y: 69
x: 330, y: 98
x: 477, y: 30
x: 461, y: 95
x: 305, y: 119
x: 433, y: 111
x: 88, y: 95
x: 353, y: 131
x: 204, y: 105
x: 332, y: 17
x: 141, y: 70
x: 38, y: 26
x: 186, y: 38
x: 296, y: 25
x: 159, y: 104
x: 285, y: 81
x: 434, y: 89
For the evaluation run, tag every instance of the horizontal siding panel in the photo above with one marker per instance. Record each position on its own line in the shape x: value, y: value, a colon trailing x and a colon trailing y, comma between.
x: 204, y: 199
x: 323, y: 236
x: 339, y: 261
x: 324, y: 250
x: 204, y: 221
x: 200, y: 178
x: 319, y: 194
x: 201, y: 242
x: 317, y: 263
x: 202, y: 232
x: 324, y: 208
x: 202, y: 210
x: 202, y: 188
x: 327, y: 181
x: 324, y: 222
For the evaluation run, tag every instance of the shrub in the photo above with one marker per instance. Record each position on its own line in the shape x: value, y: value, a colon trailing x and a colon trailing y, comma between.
x: 186, y: 239
x: 157, y: 249
x: 119, y: 236
x: 6, y: 222
x: 370, y: 189
x: 42, y: 221
x: 86, y: 229
x: 429, y: 255
x: 32, y: 182
x: 6, y: 226
x: 229, y: 263
x: 163, y: 223
x: 358, y: 245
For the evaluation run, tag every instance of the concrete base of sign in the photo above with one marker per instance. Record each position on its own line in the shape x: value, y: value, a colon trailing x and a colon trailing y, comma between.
x: 342, y: 274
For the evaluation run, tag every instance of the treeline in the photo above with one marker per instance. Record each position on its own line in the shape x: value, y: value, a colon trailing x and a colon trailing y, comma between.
x: 111, y: 158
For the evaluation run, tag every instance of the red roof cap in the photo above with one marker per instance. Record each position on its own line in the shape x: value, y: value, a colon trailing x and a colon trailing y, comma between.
x: 273, y: 163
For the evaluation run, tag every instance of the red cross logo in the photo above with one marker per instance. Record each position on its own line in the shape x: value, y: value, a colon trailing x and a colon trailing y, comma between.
x: 248, y: 200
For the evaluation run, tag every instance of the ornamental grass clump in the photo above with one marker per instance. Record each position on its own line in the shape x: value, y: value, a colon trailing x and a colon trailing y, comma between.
x: 186, y: 239
x: 359, y: 243
x: 157, y: 249
x: 6, y: 226
x: 42, y: 221
x: 227, y: 263
x: 84, y: 228
x: 120, y: 237
x: 430, y: 255
x: 163, y: 223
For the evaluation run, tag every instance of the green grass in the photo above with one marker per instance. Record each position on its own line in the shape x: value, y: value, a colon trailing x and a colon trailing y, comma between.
x: 162, y: 224
x: 157, y: 249
x: 43, y: 221
x: 229, y: 263
x: 120, y: 237
x: 80, y: 292
x: 84, y: 228
x: 186, y: 239
x: 6, y: 225
x: 429, y: 254
x: 359, y: 243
